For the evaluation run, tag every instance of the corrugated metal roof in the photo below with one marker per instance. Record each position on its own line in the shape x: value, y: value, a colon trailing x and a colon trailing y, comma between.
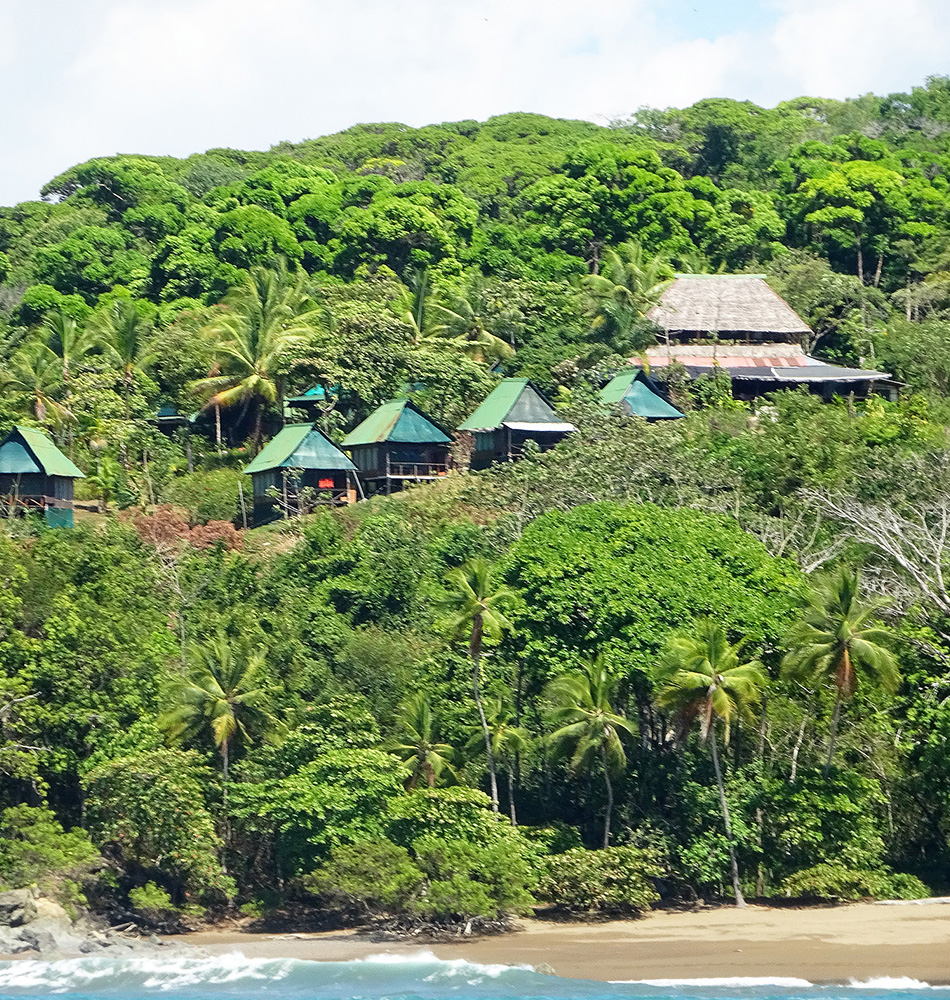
x: 724, y: 303
x: 810, y: 373
x: 300, y: 446
x: 641, y: 401
x: 25, y: 450
x: 513, y: 399
x: 734, y: 361
x: 399, y: 421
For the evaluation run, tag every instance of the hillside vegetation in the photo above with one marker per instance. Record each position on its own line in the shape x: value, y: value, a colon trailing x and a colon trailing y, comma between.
x: 705, y: 658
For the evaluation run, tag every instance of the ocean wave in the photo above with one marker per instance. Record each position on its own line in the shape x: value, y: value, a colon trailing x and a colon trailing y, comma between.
x: 414, y: 976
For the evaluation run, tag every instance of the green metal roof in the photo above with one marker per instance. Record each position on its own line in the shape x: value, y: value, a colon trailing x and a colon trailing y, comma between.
x: 399, y: 421
x: 614, y: 390
x: 300, y: 446
x: 641, y: 401
x: 513, y: 399
x: 25, y: 450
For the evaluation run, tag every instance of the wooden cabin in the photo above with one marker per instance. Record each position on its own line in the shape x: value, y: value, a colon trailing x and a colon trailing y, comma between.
x: 398, y: 444
x: 299, y: 458
x: 631, y: 391
x: 736, y: 323
x: 36, y: 475
x: 513, y: 413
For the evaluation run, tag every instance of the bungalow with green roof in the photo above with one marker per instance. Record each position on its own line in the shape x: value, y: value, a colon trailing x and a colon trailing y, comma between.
x: 36, y: 475
x: 398, y: 444
x: 300, y: 458
x: 513, y: 413
x: 630, y: 391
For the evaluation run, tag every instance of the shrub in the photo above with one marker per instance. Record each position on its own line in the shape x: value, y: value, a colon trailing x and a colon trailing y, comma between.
x: 35, y: 850
x: 372, y: 876
x: 150, y: 897
x: 612, y: 880
x: 206, y: 496
x: 468, y: 879
x: 832, y: 880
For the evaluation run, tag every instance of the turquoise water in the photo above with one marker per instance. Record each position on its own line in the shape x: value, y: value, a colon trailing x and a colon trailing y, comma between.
x: 384, y: 977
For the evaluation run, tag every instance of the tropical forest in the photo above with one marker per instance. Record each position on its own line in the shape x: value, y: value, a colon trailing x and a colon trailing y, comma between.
x: 663, y: 663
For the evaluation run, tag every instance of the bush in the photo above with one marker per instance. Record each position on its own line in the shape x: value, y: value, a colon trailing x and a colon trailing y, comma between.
x: 835, y: 881
x: 447, y: 859
x: 206, y: 496
x: 468, y: 879
x: 372, y: 876
x: 150, y: 897
x: 35, y: 850
x: 612, y: 880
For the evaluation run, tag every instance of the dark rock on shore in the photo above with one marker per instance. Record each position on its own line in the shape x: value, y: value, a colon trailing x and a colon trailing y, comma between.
x: 31, y: 923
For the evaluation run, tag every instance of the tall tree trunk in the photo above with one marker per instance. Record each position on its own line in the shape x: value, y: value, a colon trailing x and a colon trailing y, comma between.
x: 475, y: 650
x: 511, y: 793
x: 763, y: 726
x: 796, y: 749
x: 734, y: 865
x: 833, y: 734
x: 259, y: 428
x: 878, y: 269
x: 610, y: 797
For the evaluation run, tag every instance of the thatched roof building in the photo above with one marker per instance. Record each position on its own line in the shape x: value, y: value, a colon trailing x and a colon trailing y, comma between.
x: 729, y: 306
x: 737, y: 324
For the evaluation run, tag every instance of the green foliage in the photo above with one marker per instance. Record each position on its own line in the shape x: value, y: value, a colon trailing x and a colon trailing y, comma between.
x: 617, y: 880
x: 206, y: 496
x: 623, y: 578
x: 35, y: 850
x: 150, y: 897
x: 386, y: 260
x: 836, y: 880
x: 150, y: 809
x: 371, y: 875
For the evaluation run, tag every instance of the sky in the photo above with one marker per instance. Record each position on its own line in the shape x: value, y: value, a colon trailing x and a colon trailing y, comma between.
x: 97, y: 77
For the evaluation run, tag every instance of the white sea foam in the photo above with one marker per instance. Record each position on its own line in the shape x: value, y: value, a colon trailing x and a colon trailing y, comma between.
x: 151, y: 973
x: 893, y: 983
x: 729, y: 981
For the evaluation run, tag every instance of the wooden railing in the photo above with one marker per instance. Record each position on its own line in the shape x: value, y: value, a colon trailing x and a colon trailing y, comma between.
x: 416, y: 470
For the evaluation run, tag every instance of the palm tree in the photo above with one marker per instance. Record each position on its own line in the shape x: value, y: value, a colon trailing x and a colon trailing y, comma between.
x: 34, y: 371
x: 471, y: 321
x: 508, y: 739
x: 422, y: 753
x: 266, y: 317
x: 412, y: 306
x: 836, y: 640
x: 588, y: 724
x: 221, y: 692
x: 629, y: 285
x: 70, y: 343
x: 125, y: 335
x: 475, y: 607
x: 701, y: 676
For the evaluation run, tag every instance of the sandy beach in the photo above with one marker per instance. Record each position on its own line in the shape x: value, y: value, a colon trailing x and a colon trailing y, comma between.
x: 860, y: 942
